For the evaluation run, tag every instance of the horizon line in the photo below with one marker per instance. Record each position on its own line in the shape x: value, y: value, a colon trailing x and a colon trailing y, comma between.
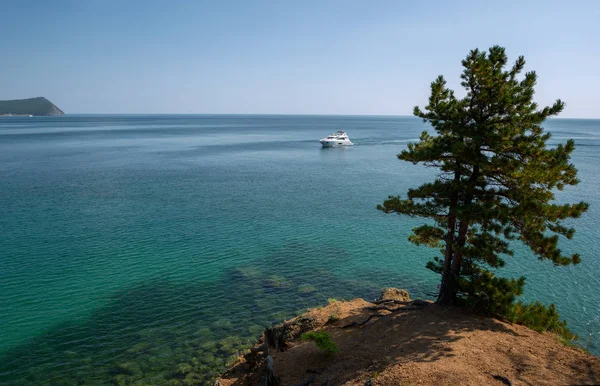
x: 288, y: 114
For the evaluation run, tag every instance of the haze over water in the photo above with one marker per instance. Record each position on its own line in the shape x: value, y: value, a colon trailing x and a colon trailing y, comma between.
x: 132, y: 245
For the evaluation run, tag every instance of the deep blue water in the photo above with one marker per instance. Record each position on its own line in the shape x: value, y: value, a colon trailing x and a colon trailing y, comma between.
x: 134, y: 248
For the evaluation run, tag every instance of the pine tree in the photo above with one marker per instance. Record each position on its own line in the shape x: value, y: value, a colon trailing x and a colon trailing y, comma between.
x: 496, y: 182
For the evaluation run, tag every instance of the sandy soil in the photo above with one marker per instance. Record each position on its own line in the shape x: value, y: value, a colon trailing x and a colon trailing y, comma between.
x: 431, y: 345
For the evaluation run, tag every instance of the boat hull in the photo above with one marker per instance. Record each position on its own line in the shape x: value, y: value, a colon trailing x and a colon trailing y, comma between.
x: 335, y: 143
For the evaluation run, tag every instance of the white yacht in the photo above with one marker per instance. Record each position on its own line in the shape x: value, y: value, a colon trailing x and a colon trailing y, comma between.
x: 339, y: 138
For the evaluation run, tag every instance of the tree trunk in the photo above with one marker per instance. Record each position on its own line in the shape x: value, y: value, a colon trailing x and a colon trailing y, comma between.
x: 453, y: 256
x: 447, y: 288
x: 463, y: 228
x: 460, y: 242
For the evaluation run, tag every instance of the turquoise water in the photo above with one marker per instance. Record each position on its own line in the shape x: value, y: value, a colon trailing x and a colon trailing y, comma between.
x: 153, y: 248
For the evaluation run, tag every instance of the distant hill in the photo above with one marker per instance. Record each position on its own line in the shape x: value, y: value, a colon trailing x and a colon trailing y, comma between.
x: 30, y: 106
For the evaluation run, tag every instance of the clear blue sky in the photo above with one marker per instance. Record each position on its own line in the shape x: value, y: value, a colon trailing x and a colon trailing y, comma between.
x: 321, y: 57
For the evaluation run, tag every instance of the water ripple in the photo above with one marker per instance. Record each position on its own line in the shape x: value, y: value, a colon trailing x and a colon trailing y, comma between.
x: 134, y: 247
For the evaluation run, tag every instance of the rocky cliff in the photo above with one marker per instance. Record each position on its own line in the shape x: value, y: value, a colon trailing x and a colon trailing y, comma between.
x: 395, y: 341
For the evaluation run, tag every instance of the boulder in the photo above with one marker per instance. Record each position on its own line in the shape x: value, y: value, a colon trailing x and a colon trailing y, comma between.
x: 394, y: 294
x: 282, y: 335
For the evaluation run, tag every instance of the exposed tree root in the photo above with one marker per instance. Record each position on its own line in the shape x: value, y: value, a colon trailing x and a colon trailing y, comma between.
x: 417, y: 306
x: 392, y: 301
x: 502, y: 379
x: 362, y: 323
x: 382, y: 308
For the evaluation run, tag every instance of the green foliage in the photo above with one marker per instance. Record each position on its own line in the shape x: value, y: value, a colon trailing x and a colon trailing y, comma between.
x: 486, y: 293
x: 333, y: 318
x: 332, y: 300
x: 322, y: 339
x: 496, y: 182
x: 540, y: 318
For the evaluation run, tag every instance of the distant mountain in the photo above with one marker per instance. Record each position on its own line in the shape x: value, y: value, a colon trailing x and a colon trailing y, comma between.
x: 31, y: 106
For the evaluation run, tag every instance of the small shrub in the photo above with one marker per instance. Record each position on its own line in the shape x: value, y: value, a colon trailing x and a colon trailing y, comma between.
x: 333, y: 318
x: 540, y: 318
x: 322, y: 339
x: 332, y: 300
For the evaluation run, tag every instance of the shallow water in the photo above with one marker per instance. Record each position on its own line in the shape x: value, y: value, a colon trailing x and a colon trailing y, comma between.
x: 137, y: 247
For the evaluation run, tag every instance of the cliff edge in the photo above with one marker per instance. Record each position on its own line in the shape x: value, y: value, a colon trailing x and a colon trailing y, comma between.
x: 410, y: 343
x: 39, y: 106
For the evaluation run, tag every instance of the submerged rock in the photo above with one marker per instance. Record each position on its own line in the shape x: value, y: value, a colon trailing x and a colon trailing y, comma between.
x: 208, y: 358
x: 140, y: 347
x: 126, y: 368
x: 223, y: 324
x: 263, y: 304
x: 230, y: 345
x: 209, y: 345
x: 193, y: 379
x: 203, y: 332
x: 184, y: 368
x: 306, y: 289
x: 246, y: 273
x: 254, y: 329
x: 276, y: 282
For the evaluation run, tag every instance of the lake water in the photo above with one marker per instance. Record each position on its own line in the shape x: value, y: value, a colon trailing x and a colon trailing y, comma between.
x: 152, y: 248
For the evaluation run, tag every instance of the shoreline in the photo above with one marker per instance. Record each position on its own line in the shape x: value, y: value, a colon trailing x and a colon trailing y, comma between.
x: 396, y: 341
